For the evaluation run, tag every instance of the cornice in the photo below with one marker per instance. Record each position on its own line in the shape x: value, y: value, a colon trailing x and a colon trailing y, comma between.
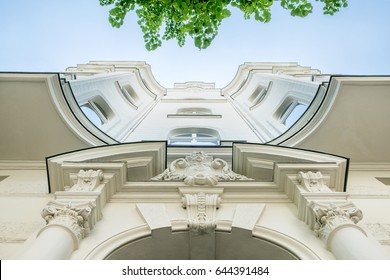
x: 22, y: 165
x: 120, y: 161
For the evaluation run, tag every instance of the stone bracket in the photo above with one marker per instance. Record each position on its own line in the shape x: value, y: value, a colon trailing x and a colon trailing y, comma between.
x: 201, y: 206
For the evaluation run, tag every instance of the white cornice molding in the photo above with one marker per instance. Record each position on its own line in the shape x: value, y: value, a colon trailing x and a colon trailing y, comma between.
x: 95, y: 68
x: 22, y: 165
x: 139, y: 161
x: 119, y: 162
x: 192, y: 101
x: 369, y: 166
x: 252, y: 159
x: 286, y: 69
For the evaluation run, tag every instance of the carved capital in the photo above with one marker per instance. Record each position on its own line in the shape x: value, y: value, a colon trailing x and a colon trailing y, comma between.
x: 329, y: 217
x: 312, y: 181
x: 201, y: 210
x: 199, y: 169
x: 77, y: 220
x: 87, y: 180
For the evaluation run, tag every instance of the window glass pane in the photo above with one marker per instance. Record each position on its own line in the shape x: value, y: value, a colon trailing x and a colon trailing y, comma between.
x: 91, y: 115
x: 193, y: 137
x: 295, y: 114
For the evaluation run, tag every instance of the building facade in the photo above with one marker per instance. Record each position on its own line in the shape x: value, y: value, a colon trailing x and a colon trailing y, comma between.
x: 102, y: 162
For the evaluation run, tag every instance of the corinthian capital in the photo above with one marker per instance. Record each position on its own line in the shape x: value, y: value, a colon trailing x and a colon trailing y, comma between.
x: 75, y: 219
x: 331, y: 216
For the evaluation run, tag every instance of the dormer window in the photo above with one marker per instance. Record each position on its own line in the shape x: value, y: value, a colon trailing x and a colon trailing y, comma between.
x: 296, y: 112
x: 93, y: 116
x: 259, y: 94
x: 194, y: 136
x: 194, y: 111
x: 97, y: 110
x: 129, y: 94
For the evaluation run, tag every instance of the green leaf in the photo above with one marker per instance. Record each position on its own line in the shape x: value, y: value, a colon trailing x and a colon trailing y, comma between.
x: 200, y: 19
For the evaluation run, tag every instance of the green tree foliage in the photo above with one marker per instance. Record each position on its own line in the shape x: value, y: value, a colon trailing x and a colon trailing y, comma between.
x: 200, y: 19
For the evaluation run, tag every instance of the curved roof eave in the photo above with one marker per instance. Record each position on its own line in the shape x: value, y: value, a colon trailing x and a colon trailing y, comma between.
x: 351, y: 121
x: 39, y: 121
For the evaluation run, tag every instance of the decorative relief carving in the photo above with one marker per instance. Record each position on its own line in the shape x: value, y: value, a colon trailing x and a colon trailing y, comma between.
x: 201, y: 209
x: 76, y: 219
x: 328, y: 218
x: 200, y: 169
x: 87, y: 180
x: 14, y: 232
x: 313, y: 182
x: 380, y: 232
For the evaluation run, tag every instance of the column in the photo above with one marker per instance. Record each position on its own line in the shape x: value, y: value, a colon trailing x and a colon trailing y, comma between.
x: 66, y: 227
x: 336, y: 226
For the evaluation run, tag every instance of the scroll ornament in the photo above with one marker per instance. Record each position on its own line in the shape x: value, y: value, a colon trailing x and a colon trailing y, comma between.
x: 200, y: 169
x: 201, y: 210
x: 87, y: 180
x: 313, y: 181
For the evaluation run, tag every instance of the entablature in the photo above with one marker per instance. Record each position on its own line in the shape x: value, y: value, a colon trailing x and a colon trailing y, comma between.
x: 137, y: 172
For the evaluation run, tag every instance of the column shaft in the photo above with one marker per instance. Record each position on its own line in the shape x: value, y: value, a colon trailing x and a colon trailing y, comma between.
x: 53, y: 243
x: 350, y: 243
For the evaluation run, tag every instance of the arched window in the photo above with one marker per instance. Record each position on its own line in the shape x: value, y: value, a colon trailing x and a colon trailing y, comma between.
x: 258, y: 95
x: 295, y: 114
x: 194, y: 136
x: 91, y: 115
x: 194, y: 111
x: 97, y: 110
x: 290, y: 111
x: 129, y: 94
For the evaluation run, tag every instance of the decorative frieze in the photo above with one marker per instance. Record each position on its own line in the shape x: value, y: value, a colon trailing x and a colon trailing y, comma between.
x: 199, y: 169
x: 87, y: 180
x: 312, y: 181
x: 330, y: 216
x: 201, y: 209
x: 75, y: 219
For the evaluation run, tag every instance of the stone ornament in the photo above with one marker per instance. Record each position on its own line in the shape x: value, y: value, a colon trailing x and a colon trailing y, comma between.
x: 380, y: 231
x: 199, y: 169
x: 88, y: 180
x: 201, y: 209
x: 313, y: 181
x: 75, y: 219
x: 329, y: 218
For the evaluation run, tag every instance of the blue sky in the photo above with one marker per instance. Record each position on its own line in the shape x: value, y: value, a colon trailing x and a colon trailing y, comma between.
x: 48, y: 36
